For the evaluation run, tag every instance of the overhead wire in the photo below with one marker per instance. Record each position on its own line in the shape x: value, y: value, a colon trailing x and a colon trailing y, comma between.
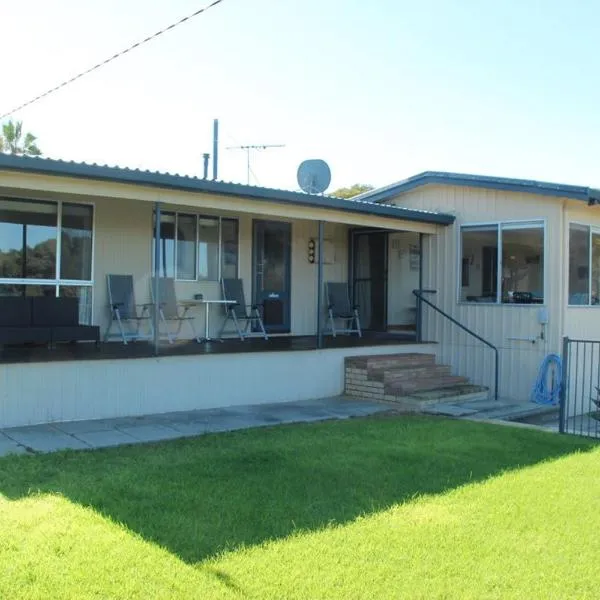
x: 111, y: 59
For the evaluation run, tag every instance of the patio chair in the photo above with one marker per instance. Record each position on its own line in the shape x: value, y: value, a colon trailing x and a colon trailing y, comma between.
x: 170, y: 310
x: 124, y: 311
x: 237, y: 311
x: 339, y: 307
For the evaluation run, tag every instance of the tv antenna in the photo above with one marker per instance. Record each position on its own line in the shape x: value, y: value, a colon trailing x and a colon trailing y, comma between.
x: 248, y: 148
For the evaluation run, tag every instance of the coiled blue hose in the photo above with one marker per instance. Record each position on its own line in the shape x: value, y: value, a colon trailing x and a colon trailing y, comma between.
x: 544, y: 391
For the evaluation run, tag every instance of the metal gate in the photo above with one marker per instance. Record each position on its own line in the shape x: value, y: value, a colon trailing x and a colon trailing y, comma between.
x: 580, y: 390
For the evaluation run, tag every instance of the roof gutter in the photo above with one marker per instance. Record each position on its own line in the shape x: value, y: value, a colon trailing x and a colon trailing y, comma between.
x: 193, y: 184
x: 574, y: 192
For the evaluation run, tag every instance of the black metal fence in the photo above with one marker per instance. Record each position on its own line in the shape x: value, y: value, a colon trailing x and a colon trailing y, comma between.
x: 580, y: 390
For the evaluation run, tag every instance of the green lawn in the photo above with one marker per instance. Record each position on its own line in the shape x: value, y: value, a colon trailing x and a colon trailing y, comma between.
x: 403, y: 507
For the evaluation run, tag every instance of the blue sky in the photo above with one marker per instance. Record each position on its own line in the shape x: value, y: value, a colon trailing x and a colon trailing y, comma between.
x: 381, y: 89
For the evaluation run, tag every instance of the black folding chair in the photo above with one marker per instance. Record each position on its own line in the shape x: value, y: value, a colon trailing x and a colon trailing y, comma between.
x: 240, y: 312
x: 125, y: 313
x: 172, y: 311
x: 339, y: 307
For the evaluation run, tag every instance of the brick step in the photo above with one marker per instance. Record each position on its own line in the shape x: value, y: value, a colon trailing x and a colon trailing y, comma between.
x: 406, y: 388
x: 419, y: 402
x: 408, y: 372
x: 389, y: 361
x: 464, y: 393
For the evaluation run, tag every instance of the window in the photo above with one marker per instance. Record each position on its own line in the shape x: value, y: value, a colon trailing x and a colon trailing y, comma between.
x: 186, y: 247
x: 208, y: 248
x: 229, y: 248
x: 167, y: 245
x: 197, y: 247
x: 584, y: 265
x: 28, y: 239
x: 76, y: 242
x: 46, y: 248
x: 502, y: 263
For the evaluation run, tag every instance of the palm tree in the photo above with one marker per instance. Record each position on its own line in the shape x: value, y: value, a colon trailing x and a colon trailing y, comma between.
x: 11, y: 143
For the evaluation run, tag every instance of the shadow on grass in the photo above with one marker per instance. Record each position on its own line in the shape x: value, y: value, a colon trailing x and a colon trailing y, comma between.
x: 198, y: 497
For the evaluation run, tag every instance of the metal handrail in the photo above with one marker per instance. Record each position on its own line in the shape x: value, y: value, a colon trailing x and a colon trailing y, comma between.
x: 421, y: 298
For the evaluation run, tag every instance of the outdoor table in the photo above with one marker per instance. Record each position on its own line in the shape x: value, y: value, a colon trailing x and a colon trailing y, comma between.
x: 207, y: 303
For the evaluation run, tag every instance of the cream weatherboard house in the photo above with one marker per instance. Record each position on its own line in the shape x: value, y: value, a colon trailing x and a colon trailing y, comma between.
x: 520, y: 267
x: 65, y: 226
x: 516, y: 262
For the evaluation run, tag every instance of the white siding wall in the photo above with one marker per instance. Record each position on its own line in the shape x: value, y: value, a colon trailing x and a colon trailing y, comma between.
x: 67, y: 391
x: 519, y: 360
x: 580, y: 322
x: 123, y: 245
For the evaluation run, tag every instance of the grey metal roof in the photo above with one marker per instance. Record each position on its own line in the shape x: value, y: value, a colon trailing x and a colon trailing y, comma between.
x: 542, y: 188
x: 194, y: 184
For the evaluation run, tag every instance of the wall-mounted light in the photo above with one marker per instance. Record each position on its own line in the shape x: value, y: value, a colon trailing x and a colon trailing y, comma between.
x: 311, y: 251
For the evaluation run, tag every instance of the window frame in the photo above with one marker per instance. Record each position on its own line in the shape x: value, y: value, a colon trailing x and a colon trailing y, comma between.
x: 592, y: 229
x: 57, y: 282
x: 198, y: 216
x: 510, y: 224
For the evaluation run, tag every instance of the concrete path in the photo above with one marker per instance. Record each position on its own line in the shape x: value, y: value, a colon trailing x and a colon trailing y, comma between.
x: 500, y: 410
x: 102, y: 433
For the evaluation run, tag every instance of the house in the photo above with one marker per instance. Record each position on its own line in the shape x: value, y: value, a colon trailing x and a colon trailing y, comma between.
x: 515, y: 262
x: 520, y: 267
x: 65, y: 226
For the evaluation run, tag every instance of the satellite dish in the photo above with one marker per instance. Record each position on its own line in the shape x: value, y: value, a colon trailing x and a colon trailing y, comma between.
x: 314, y: 176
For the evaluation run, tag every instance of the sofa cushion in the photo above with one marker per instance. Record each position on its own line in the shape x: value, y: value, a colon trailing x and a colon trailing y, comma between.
x: 48, y: 311
x: 76, y: 333
x: 24, y: 335
x: 15, y: 311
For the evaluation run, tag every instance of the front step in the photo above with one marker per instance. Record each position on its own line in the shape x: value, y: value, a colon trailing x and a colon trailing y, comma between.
x: 412, y: 381
x: 392, y: 375
x: 424, y: 384
x: 389, y: 361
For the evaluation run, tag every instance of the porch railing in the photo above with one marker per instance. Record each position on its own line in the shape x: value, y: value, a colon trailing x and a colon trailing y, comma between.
x: 422, y: 300
x: 579, y: 395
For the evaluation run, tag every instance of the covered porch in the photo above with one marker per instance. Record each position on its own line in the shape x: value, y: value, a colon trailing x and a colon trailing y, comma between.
x: 63, y: 234
x: 65, y: 228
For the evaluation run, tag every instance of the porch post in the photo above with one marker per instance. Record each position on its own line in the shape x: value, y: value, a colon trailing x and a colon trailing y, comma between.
x: 320, y: 287
x: 155, y: 290
x: 419, y: 303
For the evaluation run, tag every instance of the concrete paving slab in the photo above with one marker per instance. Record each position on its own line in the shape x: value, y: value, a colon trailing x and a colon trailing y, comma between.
x: 449, y: 410
x: 186, y: 428
x: 8, y: 446
x: 233, y: 423
x: 77, y: 427
x: 42, y: 438
x: 480, y: 405
x: 361, y: 408
x: 150, y: 433
x: 106, y: 438
x: 181, y: 416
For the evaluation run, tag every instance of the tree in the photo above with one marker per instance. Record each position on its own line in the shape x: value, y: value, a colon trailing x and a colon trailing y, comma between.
x: 12, y: 141
x: 354, y: 190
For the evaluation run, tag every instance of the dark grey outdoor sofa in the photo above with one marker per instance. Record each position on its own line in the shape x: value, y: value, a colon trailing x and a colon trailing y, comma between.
x: 43, y: 320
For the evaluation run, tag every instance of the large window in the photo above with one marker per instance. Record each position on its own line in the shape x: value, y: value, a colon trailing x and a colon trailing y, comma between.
x: 46, y: 249
x: 502, y: 263
x: 584, y: 265
x: 197, y: 247
x: 208, y: 248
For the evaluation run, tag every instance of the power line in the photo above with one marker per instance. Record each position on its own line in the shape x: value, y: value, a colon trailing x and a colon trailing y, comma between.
x: 113, y: 57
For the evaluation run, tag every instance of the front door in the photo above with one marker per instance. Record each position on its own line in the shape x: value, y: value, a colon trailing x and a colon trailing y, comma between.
x: 369, y: 275
x: 271, y: 268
